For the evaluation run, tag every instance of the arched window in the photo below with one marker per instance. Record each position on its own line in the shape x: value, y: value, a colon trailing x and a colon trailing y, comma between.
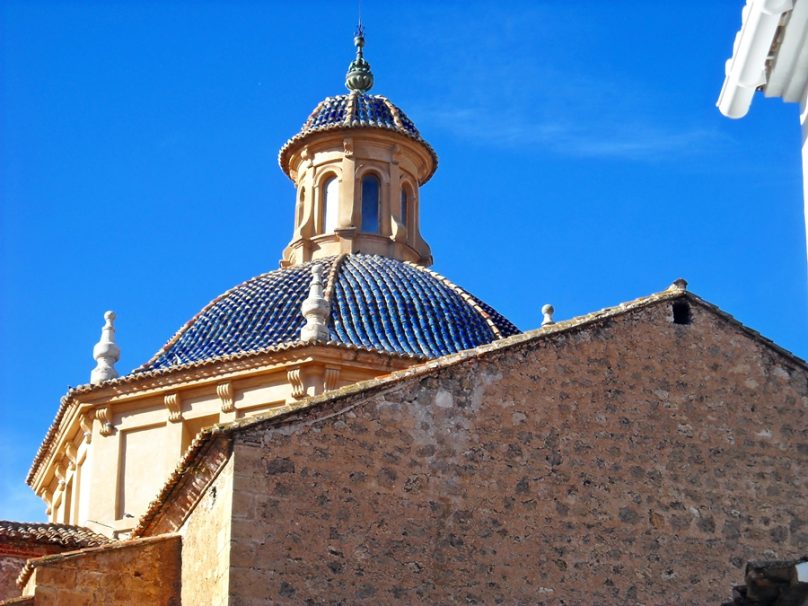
x: 330, y: 204
x: 405, y: 207
x: 370, y: 204
x: 299, y: 210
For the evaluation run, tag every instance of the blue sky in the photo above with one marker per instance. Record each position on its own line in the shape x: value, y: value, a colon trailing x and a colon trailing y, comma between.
x: 582, y: 163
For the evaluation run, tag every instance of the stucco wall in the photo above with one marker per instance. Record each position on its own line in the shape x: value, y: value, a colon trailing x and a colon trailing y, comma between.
x: 144, y: 571
x: 206, y: 544
x: 631, y: 461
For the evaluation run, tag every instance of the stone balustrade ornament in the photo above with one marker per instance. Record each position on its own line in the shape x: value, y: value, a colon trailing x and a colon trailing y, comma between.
x: 106, y: 352
x: 315, y: 309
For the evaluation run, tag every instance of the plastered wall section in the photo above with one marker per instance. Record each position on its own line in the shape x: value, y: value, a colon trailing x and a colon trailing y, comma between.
x: 631, y: 461
x: 143, y: 571
x: 206, y: 544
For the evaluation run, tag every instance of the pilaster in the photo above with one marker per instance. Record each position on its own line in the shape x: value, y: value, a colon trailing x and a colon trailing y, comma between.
x: 103, y: 483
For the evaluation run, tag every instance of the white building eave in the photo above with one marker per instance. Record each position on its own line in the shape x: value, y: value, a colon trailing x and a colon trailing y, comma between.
x: 746, y: 69
x: 788, y: 76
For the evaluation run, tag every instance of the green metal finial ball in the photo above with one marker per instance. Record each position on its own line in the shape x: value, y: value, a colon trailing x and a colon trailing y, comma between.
x: 359, y: 76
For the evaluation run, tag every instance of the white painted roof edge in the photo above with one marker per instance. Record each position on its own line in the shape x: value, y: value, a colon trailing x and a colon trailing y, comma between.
x: 746, y: 69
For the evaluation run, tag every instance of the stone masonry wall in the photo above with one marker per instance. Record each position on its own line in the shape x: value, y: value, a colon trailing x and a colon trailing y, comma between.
x: 630, y: 461
x: 13, y: 555
x: 10, y: 567
x: 206, y: 544
x: 143, y: 571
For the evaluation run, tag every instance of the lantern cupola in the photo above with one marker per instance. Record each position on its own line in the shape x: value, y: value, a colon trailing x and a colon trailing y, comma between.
x: 358, y: 164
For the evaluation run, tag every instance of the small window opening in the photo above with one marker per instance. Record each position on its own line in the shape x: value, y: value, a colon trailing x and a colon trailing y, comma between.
x: 370, y: 204
x: 330, y: 205
x: 681, y: 312
x: 299, y: 208
x: 404, y: 205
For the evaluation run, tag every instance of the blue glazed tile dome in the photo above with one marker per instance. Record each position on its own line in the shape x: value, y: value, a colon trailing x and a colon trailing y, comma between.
x: 354, y: 110
x: 359, y: 109
x: 377, y: 303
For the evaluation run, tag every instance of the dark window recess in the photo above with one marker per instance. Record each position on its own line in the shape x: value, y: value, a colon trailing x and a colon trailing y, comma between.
x: 681, y: 312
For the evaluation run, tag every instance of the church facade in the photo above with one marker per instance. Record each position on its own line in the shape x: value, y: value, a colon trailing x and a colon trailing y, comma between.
x: 355, y: 428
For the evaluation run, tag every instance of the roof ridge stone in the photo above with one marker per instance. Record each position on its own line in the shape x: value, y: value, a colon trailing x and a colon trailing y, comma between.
x: 332, y: 275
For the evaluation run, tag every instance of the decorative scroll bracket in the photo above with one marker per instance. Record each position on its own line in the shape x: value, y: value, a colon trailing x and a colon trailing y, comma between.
x: 102, y: 414
x: 172, y: 403
x: 225, y: 393
x: 331, y: 378
x: 295, y: 379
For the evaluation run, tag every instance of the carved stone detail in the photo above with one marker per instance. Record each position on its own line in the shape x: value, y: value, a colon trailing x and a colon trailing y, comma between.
x: 70, y: 452
x: 331, y: 378
x: 295, y: 379
x: 172, y: 403
x: 307, y: 158
x: 86, y: 422
x: 315, y: 309
x: 225, y: 393
x: 59, y: 471
x: 102, y: 414
x: 347, y: 147
x: 48, y: 498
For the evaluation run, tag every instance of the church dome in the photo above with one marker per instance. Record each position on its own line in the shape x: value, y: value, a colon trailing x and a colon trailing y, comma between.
x: 376, y: 303
x: 352, y: 110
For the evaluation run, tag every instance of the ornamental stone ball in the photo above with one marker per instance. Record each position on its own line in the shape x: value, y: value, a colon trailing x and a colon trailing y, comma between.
x: 547, y: 313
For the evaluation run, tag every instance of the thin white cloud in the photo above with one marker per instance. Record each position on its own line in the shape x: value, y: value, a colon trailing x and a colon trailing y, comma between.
x: 499, y: 87
x: 613, y: 138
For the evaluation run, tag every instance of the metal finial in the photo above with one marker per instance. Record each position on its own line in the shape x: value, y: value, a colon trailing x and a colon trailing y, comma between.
x: 547, y: 312
x: 359, y: 76
x: 106, y: 352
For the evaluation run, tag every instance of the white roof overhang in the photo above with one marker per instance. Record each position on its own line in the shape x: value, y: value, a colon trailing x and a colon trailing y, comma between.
x: 746, y: 69
x: 789, y: 73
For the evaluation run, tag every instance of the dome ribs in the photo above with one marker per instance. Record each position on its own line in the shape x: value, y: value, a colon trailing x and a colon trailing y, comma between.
x: 355, y: 110
x: 377, y: 303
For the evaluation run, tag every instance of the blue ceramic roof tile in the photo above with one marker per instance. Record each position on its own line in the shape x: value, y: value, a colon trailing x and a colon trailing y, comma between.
x: 376, y: 303
x: 358, y: 109
x: 354, y: 110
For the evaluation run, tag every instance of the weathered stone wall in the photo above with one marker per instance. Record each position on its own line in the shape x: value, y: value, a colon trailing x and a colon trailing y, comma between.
x: 13, y: 555
x: 206, y: 544
x: 143, y: 571
x: 629, y: 461
x: 10, y: 567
